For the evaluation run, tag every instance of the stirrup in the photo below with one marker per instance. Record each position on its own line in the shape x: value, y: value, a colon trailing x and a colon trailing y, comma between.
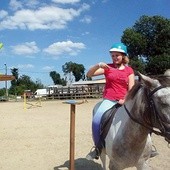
x: 93, y: 154
x: 97, y: 153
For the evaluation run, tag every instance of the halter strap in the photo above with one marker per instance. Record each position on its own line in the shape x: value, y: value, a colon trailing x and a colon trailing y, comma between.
x: 155, y: 90
x: 146, y: 126
x: 155, y: 112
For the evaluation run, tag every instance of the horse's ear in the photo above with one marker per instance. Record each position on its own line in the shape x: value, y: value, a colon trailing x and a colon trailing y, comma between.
x: 167, y: 73
x: 147, y: 81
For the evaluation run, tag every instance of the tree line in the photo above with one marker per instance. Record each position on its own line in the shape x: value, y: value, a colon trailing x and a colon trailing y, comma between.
x: 24, y: 82
x: 148, y: 42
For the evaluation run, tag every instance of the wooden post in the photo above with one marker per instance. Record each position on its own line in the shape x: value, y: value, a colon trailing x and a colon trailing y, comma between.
x: 25, y: 101
x: 72, y: 136
x: 73, y: 104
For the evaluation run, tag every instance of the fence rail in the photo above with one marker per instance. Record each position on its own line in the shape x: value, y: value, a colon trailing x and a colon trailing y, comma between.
x: 92, y: 91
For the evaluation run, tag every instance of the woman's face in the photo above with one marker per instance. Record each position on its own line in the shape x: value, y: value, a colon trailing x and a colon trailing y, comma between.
x: 117, y: 57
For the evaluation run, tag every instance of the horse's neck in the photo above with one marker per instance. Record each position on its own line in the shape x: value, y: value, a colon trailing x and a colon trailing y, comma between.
x: 124, y: 126
x: 133, y: 128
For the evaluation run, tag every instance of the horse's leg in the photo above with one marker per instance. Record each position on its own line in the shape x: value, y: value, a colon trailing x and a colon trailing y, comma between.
x: 143, y: 166
x: 113, y: 166
x: 103, y: 159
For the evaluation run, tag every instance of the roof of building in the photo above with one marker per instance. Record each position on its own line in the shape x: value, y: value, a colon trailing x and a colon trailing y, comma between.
x: 90, y: 82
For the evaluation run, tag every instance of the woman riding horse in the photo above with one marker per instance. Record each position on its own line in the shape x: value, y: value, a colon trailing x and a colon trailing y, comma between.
x: 119, y: 80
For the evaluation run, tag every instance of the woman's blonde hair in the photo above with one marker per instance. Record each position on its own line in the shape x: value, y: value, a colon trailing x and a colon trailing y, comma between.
x: 125, y: 59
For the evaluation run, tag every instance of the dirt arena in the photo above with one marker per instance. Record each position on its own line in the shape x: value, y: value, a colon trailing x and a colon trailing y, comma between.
x: 38, y: 138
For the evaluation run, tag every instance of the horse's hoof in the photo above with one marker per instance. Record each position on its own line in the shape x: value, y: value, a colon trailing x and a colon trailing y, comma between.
x: 153, y: 154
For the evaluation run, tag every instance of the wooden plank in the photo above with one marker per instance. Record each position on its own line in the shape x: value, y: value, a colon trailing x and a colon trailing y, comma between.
x: 6, y: 77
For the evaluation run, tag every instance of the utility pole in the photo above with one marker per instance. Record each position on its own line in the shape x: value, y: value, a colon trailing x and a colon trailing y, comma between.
x: 6, y: 85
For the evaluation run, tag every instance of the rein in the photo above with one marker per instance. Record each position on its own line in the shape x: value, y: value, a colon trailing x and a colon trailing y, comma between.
x: 156, y: 115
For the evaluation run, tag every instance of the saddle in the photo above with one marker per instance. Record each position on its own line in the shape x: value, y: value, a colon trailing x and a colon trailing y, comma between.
x: 106, y: 123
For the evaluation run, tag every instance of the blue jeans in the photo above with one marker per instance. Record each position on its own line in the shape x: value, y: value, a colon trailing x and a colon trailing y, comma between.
x: 99, y: 110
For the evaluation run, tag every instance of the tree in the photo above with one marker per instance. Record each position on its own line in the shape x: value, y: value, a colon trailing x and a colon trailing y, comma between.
x: 149, y: 40
x: 67, y: 69
x: 14, y: 72
x: 38, y: 84
x: 22, y: 83
x: 56, y: 78
x: 135, y: 41
x: 12, y: 89
x: 138, y: 65
x: 158, y: 64
x: 77, y: 70
x: 2, y: 92
x: 156, y: 31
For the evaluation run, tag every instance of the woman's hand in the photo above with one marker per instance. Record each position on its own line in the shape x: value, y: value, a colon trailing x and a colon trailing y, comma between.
x: 121, y: 101
x: 97, y: 69
x: 103, y: 65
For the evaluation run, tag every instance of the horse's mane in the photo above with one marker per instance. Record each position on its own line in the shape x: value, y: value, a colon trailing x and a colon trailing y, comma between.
x: 131, y: 94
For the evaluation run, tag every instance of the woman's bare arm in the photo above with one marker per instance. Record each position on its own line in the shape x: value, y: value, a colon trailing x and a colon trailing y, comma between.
x: 131, y: 81
x: 97, y: 69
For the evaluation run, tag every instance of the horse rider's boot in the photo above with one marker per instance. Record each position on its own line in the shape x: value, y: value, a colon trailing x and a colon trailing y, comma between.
x: 154, y: 152
x: 93, y: 154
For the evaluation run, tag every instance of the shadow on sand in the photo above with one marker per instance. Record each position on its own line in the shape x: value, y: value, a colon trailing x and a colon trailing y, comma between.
x: 81, y: 164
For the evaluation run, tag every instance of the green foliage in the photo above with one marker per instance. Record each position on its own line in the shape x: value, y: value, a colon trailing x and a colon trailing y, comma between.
x: 56, y: 78
x: 22, y: 83
x: 156, y: 31
x: 68, y: 67
x: 63, y: 82
x: 77, y: 70
x: 2, y: 92
x: 135, y: 41
x: 158, y: 64
x: 138, y: 65
x: 149, y: 38
x: 15, y: 73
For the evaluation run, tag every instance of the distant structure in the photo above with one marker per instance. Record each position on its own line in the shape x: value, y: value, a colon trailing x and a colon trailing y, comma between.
x: 77, y: 90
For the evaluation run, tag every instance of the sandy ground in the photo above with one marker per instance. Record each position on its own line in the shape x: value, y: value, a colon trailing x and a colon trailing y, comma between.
x: 38, y: 138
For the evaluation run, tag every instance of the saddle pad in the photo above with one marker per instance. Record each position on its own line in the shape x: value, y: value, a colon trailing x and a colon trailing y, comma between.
x: 106, y: 122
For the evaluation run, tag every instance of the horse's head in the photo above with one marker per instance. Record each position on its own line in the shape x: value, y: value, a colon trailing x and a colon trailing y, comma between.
x: 159, y: 101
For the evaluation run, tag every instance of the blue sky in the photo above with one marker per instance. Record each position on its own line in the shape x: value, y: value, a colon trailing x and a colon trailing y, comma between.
x: 40, y: 36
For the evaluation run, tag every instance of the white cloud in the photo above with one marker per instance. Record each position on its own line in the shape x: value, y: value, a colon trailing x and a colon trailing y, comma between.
x: 3, y: 14
x: 32, y: 3
x: 66, y: 1
x: 25, y: 66
x: 48, y: 68
x: 47, y: 17
x: 86, y: 19
x: 15, y: 5
x: 85, y: 33
x: 64, y: 47
x: 84, y: 7
x: 27, y: 48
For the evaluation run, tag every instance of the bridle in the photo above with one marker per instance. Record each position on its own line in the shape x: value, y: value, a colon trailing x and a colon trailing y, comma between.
x: 155, y: 114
